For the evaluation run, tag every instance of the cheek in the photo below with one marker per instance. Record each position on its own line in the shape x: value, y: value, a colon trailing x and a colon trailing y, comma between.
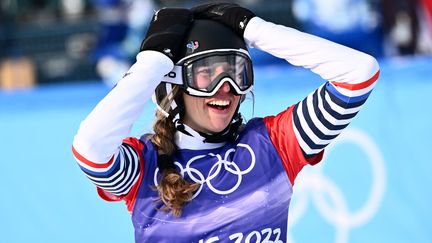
x: 202, y: 82
x: 193, y: 105
x: 237, y: 101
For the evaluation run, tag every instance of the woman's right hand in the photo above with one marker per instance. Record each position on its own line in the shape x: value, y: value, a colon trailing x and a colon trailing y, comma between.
x: 167, y: 30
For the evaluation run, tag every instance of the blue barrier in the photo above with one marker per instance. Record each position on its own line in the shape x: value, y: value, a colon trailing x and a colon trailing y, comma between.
x: 373, y: 185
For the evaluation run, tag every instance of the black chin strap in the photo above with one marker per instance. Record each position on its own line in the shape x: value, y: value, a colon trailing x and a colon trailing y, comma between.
x: 230, y: 133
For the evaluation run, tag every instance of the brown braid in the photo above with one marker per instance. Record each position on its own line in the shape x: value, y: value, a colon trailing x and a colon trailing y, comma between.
x: 174, y: 191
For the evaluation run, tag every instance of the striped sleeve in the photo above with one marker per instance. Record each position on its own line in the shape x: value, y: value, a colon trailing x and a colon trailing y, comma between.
x: 102, y: 146
x: 322, y: 115
x: 301, y: 132
x: 118, y: 175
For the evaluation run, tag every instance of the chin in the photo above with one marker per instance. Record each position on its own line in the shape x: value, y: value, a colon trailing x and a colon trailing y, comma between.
x: 216, y: 128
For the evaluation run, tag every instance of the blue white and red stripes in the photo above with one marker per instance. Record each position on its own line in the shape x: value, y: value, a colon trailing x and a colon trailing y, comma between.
x: 118, y: 175
x: 321, y: 116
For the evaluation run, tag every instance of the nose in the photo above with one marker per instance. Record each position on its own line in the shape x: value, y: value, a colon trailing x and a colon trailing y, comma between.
x: 225, y: 88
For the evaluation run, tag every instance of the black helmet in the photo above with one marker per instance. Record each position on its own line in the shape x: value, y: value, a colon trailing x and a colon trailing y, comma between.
x: 206, y: 38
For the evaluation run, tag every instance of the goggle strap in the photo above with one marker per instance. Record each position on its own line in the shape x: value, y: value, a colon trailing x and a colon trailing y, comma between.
x: 173, y: 112
x: 175, y: 76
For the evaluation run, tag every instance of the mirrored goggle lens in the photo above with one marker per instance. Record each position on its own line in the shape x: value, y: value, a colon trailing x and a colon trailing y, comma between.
x: 204, y: 74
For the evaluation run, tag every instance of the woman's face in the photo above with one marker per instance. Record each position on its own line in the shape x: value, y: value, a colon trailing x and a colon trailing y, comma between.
x: 211, y: 114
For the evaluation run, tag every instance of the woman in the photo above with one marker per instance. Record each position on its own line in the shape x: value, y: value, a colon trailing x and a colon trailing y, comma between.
x: 203, y: 176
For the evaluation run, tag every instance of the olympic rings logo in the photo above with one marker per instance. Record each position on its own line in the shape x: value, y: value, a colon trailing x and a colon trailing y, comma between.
x: 224, y: 163
x: 314, y: 186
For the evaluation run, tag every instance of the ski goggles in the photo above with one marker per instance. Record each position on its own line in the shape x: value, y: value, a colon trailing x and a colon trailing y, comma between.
x: 204, y: 74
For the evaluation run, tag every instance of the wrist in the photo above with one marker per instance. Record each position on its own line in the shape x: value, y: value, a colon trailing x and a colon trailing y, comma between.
x: 158, y: 58
x: 252, y: 33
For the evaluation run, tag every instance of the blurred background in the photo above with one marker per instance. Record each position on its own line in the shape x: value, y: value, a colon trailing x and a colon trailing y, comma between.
x: 58, y: 58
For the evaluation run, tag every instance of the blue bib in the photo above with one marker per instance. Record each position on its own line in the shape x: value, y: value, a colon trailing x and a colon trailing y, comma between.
x: 244, y: 194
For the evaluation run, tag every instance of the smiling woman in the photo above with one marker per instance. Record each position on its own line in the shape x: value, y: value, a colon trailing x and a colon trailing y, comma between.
x: 213, y: 114
x: 203, y: 175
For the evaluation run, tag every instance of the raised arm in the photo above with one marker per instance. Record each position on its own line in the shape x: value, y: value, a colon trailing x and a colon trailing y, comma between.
x: 319, y: 118
x: 100, y: 146
x: 97, y: 146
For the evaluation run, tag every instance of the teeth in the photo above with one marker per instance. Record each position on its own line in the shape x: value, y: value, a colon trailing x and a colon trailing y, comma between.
x: 219, y: 102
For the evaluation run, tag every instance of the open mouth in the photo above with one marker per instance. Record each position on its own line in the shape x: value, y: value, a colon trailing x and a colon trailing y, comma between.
x: 219, y: 104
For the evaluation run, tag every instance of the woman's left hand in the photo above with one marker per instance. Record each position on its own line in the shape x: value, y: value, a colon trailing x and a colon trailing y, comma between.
x: 230, y: 14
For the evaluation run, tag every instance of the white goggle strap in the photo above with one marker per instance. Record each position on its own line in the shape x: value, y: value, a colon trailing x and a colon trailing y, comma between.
x: 175, y: 76
x: 174, y: 110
